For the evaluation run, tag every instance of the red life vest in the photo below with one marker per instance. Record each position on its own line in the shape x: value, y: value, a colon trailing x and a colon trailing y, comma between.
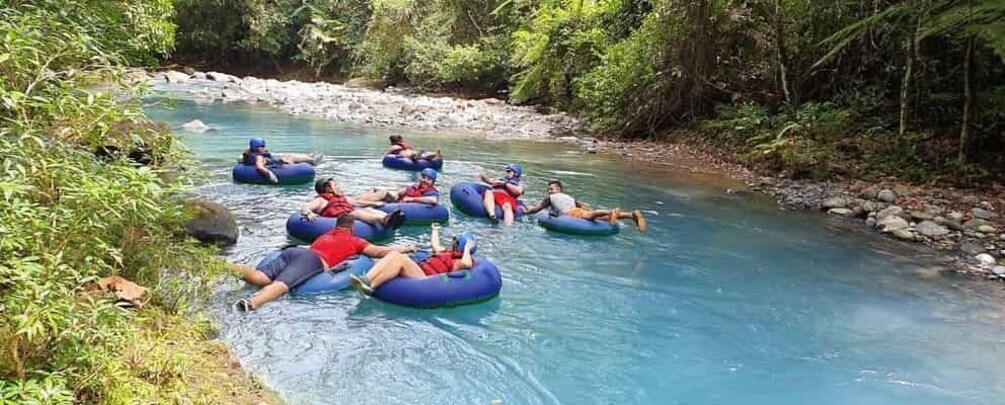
x: 440, y: 263
x: 417, y: 190
x: 337, y: 205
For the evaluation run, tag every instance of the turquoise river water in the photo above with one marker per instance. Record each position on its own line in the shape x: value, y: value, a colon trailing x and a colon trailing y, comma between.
x: 723, y: 300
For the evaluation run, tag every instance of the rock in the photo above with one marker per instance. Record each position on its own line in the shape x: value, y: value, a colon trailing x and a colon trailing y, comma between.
x: 886, y: 195
x: 199, y: 75
x: 835, y: 202
x: 970, y: 248
x: 869, y: 206
x: 970, y: 199
x: 954, y: 225
x: 739, y: 191
x: 844, y: 212
x: 982, y: 213
x: 869, y: 194
x: 998, y: 270
x: 903, y: 234
x: 955, y: 216
x: 987, y: 261
x: 902, y: 190
x: 974, y: 224
x: 1002, y: 236
x: 922, y: 215
x: 211, y: 222
x: 766, y: 181
x: 195, y: 126
x: 221, y: 77
x: 891, y: 223
x: 986, y: 229
x: 362, y: 82
x: 871, y: 221
x: 892, y: 210
x: 931, y: 229
x: 932, y: 209
x: 986, y: 205
x: 173, y: 76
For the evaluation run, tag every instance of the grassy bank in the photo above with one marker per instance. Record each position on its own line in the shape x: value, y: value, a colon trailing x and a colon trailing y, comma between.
x: 70, y: 216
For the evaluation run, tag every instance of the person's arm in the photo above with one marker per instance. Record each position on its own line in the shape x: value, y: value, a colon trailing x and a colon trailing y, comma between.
x: 514, y: 189
x: 434, y: 238
x: 381, y: 251
x: 466, y: 261
x: 486, y: 179
x: 582, y: 205
x: 539, y: 206
x: 431, y: 199
x: 260, y: 166
x: 311, y: 208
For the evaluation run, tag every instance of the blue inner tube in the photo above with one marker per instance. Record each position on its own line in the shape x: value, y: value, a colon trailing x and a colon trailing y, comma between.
x: 467, y: 197
x: 296, y: 173
x: 299, y: 227
x: 418, y: 213
x: 327, y: 281
x: 400, y: 163
x: 480, y: 283
x: 576, y: 226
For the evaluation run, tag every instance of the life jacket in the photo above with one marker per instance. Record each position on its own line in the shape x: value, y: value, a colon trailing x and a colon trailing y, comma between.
x: 417, y: 190
x: 337, y: 205
x: 249, y: 158
x: 440, y: 263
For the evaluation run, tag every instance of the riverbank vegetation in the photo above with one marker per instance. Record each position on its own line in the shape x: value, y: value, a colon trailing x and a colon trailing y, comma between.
x: 814, y: 88
x: 68, y: 218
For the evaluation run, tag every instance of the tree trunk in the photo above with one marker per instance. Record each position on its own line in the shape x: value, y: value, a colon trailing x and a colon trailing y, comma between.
x: 905, y: 84
x: 968, y: 102
x: 780, y: 52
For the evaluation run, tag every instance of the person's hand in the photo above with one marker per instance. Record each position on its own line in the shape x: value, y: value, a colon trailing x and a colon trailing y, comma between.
x: 498, y: 183
x: 310, y: 216
x: 409, y: 249
x: 273, y: 178
x: 407, y: 199
x: 435, y: 226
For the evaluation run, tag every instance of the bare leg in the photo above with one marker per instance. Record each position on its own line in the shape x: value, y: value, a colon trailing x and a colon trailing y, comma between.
x: 596, y: 214
x: 507, y: 214
x: 490, y: 204
x: 269, y: 293
x: 393, y: 265
x: 251, y: 275
x: 370, y: 215
x: 375, y: 195
x: 296, y: 158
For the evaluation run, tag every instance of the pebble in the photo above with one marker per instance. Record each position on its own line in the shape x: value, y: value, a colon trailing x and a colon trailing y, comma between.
x: 931, y: 229
x: 844, y: 212
x: 970, y: 248
x: 982, y: 213
x: 974, y: 224
x: 955, y: 216
x: 998, y: 270
x: 987, y: 261
x: 887, y: 195
x: 922, y: 215
x: 904, y: 234
x: 835, y: 202
x: 887, y: 212
x: 871, y: 221
x: 986, y: 229
x: 892, y: 223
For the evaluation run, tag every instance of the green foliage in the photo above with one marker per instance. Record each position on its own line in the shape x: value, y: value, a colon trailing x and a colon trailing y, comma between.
x: 67, y: 218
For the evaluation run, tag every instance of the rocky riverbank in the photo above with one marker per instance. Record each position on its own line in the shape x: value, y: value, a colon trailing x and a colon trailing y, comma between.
x: 965, y: 224
x: 357, y: 103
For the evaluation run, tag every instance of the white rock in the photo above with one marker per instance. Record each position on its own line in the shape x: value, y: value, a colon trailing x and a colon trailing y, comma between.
x: 955, y: 216
x: 835, y: 202
x: 199, y: 75
x: 892, y: 223
x: 986, y: 229
x: 195, y: 126
x: 903, y: 234
x: 886, y: 195
x: 173, y: 76
x: 871, y: 221
x: 844, y: 212
x: 887, y: 212
x: 998, y: 270
x: 987, y: 261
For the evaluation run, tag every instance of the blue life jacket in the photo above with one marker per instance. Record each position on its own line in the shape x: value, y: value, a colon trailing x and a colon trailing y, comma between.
x: 249, y: 158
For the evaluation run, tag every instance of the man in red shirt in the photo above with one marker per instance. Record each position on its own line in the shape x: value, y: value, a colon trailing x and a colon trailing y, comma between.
x: 395, y: 264
x: 296, y: 265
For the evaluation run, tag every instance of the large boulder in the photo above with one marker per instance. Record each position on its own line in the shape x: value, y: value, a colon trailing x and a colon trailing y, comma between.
x: 196, y: 126
x: 211, y: 223
x: 173, y: 76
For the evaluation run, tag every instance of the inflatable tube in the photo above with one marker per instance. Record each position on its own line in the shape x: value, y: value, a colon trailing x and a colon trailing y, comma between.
x: 299, y: 227
x: 418, y: 213
x: 296, y: 173
x: 328, y: 281
x: 480, y: 283
x: 576, y: 226
x: 467, y: 197
x: 400, y: 163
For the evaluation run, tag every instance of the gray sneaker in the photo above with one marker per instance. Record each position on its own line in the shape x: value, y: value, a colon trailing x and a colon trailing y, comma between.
x: 361, y: 284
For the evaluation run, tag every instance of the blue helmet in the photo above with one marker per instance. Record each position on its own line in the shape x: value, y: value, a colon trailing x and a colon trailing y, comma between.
x: 256, y: 143
x: 515, y: 167
x: 462, y: 240
x: 429, y: 172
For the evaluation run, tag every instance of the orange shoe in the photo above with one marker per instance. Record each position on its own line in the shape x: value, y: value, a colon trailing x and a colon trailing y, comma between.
x: 613, y: 218
x: 640, y: 222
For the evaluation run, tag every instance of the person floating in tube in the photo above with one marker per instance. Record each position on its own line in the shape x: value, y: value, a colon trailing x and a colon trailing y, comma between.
x: 423, y: 192
x: 443, y: 260
x: 296, y: 265
x: 561, y: 203
x: 331, y: 202
x: 256, y: 155
x: 504, y: 193
x: 401, y: 148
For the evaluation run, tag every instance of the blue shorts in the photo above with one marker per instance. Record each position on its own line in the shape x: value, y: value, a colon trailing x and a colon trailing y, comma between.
x: 293, y: 267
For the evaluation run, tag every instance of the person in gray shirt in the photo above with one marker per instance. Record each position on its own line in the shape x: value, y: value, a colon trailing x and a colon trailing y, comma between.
x: 561, y: 203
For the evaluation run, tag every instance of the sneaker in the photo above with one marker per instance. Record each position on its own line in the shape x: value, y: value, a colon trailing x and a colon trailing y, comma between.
x: 361, y: 284
x: 640, y: 222
x: 615, y: 213
x: 395, y: 219
x: 318, y: 157
x: 244, y: 305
